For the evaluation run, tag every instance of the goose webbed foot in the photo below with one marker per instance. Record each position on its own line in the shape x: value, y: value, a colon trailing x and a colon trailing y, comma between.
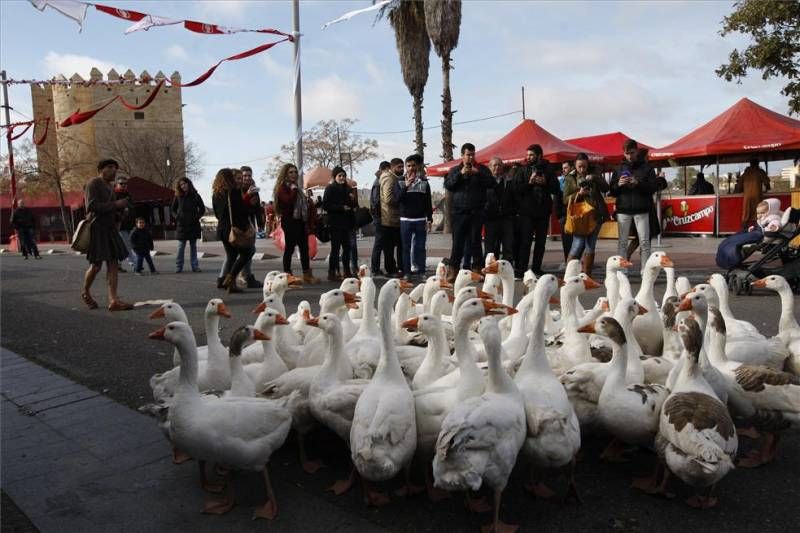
x: 343, y: 485
x: 539, y: 490
x: 477, y: 505
x: 614, y: 452
x: 209, y: 486
x: 179, y: 457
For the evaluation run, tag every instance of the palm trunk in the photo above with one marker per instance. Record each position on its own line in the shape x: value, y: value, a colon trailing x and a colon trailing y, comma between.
x: 447, y: 134
x: 418, y: 125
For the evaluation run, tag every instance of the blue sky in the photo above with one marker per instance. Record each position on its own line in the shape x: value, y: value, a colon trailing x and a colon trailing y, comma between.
x: 644, y: 68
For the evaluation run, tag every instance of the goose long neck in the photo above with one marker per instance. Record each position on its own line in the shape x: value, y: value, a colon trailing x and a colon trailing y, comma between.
x: 645, y: 294
x: 368, y: 324
x: 237, y: 370
x: 723, y: 303
x: 388, y: 366
x: 499, y: 380
x: 568, y: 306
x: 716, y: 348
x: 335, y: 352
x: 187, y: 377
x: 612, y: 290
x: 438, y: 344
x: 619, y: 365
x: 268, y: 346
x: 465, y: 352
x: 508, y: 290
x: 535, y: 357
x: 211, y: 323
x: 788, y: 322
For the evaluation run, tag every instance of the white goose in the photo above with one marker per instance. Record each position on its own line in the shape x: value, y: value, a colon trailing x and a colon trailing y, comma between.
x: 278, y: 285
x: 788, y: 329
x: 553, y: 433
x: 696, y: 433
x: 436, y: 362
x: 332, y: 399
x: 516, y: 343
x: 575, y: 347
x: 735, y: 327
x: 383, y: 433
x: 481, y: 437
x: 297, y: 320
x: 670, y: 291
x: 672, y: 348
x: 647, y: 328
x: 290, y: 352
x: 173, y: 312
x: 629, y: 411
x: 614, y: 264
x: 241, y: 384
x: 240, y: 433
x: 271, y: 365
x: 214, y: 373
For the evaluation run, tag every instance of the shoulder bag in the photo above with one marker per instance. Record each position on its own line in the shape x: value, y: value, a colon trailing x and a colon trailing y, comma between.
x: 240, y: 238
x: 581, y: 218
x: 82, y: 236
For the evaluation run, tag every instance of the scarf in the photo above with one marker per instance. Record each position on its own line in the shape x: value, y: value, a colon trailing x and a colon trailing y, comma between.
x: 300, y: 207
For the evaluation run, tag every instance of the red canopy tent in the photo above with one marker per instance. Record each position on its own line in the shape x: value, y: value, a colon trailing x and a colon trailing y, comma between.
x: 512, y: 147
x: 743, y: 131
x: 609, y: 145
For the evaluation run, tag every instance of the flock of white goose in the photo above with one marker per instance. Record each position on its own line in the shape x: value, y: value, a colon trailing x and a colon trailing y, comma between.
x: 468, y: 384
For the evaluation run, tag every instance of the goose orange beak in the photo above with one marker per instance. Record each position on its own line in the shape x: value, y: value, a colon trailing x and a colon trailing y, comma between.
x: 561, y: 283
x: 444, y: 284
x: 642, y: 310
x: 451, y: 298
x: 666, y: 261
x: 280, y: 320
x: 493, y: 308
x: 411, y: 324
x: 312, y: 321
x: 475, y: 277
x: 625, y: 263
x: 484, y: 295
x: 158, y: 313
x: 554, y: 300
x: 223, y: 311
x: 588, y: 328
x: 260, y: 308
x: 605, y: 307
x: 760, y: 283
x: 405, y: 285
x: 158, y: 334
x: 590, y: 284
x: 294, y: 281
x: 686, y: 305
x: 257, y: 335
x: 491, y: 268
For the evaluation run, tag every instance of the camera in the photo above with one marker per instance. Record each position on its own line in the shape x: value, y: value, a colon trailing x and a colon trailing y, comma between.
x: 585, y: 183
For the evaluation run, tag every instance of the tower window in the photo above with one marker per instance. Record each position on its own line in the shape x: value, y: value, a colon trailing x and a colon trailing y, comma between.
x: 138, y: 115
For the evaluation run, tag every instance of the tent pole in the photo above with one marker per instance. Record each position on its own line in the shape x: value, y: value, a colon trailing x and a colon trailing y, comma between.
x: 523, y: 102
x: 7, y: 108
x: 716, y: 201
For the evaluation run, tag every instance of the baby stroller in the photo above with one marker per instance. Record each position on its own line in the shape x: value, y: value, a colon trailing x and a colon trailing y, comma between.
x: 753, y: 255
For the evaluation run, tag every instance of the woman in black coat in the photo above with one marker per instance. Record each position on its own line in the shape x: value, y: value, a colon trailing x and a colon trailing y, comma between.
x: 338, y: 201
x: 227, y: 193
x: 187, y: 208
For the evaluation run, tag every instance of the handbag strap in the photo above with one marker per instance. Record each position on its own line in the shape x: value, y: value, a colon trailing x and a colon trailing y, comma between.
x: 230, y: 211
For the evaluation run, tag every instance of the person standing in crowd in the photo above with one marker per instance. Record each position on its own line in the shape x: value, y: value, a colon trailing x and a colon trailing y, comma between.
x: 338, y: 203
x: 500, y: 212
x: 701, y: 186
x: 581, y: 186
x: 187, y: 208
x: 655, y: 223
x: 251, y: 198
x: 231, y: 210
x: 378, y: 244
x: 127, y: 219
x: 293, y: 210
x: 353, y: 235
x: 105, y: 244
x: 416, y: 215
x: 534, y: 186
x: 633, y: 185
x: 269, y: 213
x: 567, y: 169
x: 467, y: 183
x: 753, y: 183
x: 390, y: 217
x: 142, y: 242
x: 24, y: 224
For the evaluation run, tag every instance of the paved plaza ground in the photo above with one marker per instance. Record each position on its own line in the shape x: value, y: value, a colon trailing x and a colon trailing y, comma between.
x: 78, y: 456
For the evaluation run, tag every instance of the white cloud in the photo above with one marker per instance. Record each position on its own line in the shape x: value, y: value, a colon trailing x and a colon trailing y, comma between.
x: 69, y: 64
x: 194, y: 117
x: 276, y: 69
x: 231, y: 9
x: 374, y: 72
x: 330, y: 98
x: 176, y: 51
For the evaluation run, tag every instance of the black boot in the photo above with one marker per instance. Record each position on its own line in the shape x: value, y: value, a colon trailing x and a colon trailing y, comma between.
x: 253, y: 283
x: 220, y: 283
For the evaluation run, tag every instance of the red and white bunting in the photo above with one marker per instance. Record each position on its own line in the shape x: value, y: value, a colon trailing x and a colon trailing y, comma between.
x: 124, y: 14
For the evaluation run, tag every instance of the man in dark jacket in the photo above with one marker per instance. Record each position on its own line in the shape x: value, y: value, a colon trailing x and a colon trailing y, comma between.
x: 534, y: 185
x: 467, y: 183
x: 500, y: 211
x: 416, y: 214
x: 633, y: 184
x: 127, y: 219
x: 24, y: 224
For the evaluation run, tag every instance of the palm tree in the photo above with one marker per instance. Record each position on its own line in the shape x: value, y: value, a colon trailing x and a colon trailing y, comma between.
x: 414, y: 47
x: 443, y: 22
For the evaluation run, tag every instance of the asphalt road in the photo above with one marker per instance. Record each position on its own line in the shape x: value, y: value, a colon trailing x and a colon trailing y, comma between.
x: 44, y: 320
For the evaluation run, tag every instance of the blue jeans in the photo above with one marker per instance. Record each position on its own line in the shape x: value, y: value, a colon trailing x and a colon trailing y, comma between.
x: 192, y: 254
x: 413, y: 235
x: 126, y: 238
x: 353, y: 251
x: 144, y: 256
x: 584, y: 243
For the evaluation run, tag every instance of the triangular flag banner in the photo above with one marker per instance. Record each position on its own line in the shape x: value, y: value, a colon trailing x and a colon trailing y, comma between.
x: 69, y: 8
x: 203, y: 77
x: 351, y: 14
x: 125, y: 14
x: 150, y: 21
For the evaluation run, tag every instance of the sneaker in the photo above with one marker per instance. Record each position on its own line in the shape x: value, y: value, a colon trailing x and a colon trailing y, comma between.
x: 38, y: 257
x: 178, y: 270
x: 139, y: 273
x: 196, y: 270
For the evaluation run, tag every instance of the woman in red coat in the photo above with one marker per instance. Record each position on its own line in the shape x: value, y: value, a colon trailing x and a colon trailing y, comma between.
x: 292, y: 208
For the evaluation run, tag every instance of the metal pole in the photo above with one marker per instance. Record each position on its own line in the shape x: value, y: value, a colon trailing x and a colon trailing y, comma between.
x: 7, y: 108
x: 523, y: 102
x: 298, y: 105
x: 716, y: 201
x: 339, y: 146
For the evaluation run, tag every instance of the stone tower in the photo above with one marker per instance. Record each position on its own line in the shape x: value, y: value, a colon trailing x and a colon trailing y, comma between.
x: 148, y: 144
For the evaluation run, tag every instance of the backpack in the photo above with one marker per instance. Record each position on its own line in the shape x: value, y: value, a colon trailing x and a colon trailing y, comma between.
x: 375, y: 199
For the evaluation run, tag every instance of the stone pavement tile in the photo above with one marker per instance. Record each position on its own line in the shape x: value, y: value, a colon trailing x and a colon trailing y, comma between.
x: 32, y: 381
x: 58, y: 400
x: 78, y: 412
x: 50, y: 392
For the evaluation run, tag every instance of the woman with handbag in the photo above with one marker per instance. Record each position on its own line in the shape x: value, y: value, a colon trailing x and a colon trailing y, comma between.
x: 338, y: 202
x: 293, y: 209
x: 233, y: 226
x: 586, y: 211
x: 187, y: 208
